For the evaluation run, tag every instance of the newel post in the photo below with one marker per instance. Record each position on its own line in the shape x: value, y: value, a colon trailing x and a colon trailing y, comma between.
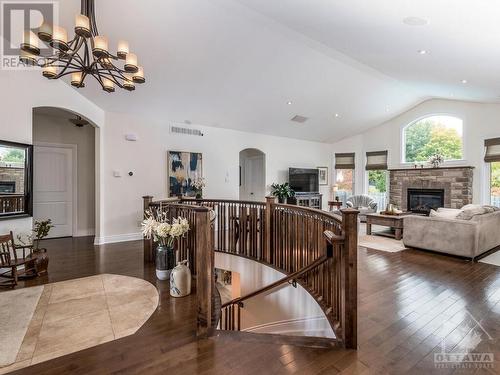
x: 270, y: 200
x: 204, y: 272
x: 350, y: 277
x: 148, y: 243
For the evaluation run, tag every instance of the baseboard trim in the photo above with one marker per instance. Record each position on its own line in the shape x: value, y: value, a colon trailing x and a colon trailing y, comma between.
x: 118, y: 238
x: 84, y: 233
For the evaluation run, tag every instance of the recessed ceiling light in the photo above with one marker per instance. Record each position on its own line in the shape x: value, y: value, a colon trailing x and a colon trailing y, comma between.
x: 422, y: 51
x: 289, y: 102
x: 464, y: 81
x: 415, y: 21
x: 337, y: 115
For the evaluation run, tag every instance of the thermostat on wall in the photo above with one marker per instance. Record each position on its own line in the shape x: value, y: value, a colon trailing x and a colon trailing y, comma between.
x: 131, y: 137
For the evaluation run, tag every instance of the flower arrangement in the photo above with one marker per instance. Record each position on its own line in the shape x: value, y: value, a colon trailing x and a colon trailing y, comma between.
x: 157, y: 225
x: 436, y: 160
x: 198, y: 186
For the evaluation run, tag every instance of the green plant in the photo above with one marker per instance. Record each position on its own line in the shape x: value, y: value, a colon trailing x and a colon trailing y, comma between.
x: 41, y: 229
x: 282, y: 191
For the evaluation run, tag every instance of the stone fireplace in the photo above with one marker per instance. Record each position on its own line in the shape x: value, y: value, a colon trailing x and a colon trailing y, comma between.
x: 450, y: 187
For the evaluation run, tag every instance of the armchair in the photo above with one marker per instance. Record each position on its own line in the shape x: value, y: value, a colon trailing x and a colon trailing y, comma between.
x: 363, y: 203
x: 12, y: 265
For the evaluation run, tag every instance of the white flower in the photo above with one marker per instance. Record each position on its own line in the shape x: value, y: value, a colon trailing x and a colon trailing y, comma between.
x: 163, y: 230
x: 149, y: 227
x: 199, y: 183
x: 185, y: 224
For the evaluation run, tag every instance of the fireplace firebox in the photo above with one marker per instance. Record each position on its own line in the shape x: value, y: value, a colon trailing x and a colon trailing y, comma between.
x: 7, y: 187
x: 422, y: 201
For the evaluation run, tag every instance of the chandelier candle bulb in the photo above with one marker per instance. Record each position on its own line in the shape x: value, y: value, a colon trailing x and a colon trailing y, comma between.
x: 49, y: 71
x: 100, y: 46
x: 139, y: 76
x: 123, y: 49
x: 59, y: 38
x: 108, y: 85
x: 27, y: 58
x: 131, y: 63
x: 30, y: 43
x: 45, y: 32
x: 82, y: 26
x: 128, y: 83
x: 76, y: 79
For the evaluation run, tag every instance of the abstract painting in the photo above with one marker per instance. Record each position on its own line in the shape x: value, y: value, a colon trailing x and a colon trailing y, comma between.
x: 183, y: 169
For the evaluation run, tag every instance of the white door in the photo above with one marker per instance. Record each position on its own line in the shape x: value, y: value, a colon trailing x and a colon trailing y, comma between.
x: 53, y: 188
x: 254, y: 178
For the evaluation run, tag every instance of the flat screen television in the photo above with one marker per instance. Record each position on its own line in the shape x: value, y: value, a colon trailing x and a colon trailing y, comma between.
x: 303, y: 180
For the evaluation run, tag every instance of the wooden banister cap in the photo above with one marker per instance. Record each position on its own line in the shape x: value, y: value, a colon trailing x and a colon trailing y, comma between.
x: 349, y: 211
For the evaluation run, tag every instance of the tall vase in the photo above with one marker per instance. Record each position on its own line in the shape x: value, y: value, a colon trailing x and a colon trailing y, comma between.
x: 165, y: 261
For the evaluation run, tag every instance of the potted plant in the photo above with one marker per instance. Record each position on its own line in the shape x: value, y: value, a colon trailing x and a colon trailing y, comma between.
x: 282, y: 191
x: 436, y: 160
x: 198, y: 186
x: 164, y: 233
x: 41, y: 229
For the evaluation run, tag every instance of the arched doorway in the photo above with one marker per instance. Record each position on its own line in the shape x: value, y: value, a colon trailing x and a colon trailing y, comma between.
x: 252, y: 175
x: 64, y: 171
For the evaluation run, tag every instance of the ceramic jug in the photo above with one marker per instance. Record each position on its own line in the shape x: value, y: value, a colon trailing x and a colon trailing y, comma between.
x: 180, y: 280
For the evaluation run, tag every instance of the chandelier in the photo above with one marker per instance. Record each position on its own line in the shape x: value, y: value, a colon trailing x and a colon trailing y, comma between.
x: 87, y: 54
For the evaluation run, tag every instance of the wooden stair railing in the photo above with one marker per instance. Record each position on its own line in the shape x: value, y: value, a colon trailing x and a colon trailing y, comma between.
x: 315, y: 248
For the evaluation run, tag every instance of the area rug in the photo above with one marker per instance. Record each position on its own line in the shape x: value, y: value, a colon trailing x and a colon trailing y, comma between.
x: 492, y: 259
x: 376, y: 242
x: 74, y: 315
x: 16, y: 309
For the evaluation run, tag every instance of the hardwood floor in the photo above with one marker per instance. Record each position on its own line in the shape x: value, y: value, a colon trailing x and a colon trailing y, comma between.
x: 408, y: 302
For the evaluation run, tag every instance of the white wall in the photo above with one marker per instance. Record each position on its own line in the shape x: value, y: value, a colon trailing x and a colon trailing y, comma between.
x: 284, y: 310
x: 55, y: 129
x: 20, y: 92
x: 146, y: 158
x: 481, y: 121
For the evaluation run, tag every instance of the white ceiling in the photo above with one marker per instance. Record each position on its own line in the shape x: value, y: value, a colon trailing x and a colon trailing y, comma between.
x: 235, y: 64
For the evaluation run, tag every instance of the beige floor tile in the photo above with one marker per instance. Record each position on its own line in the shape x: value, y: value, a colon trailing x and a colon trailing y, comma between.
x: 68, y: 334
x: 29, y: 342
x: 15, y: 366
x: 79, y: 288
x: 38, y: 315
x: 71, y: 349
x: 128, y: 318
x: 74, y: 307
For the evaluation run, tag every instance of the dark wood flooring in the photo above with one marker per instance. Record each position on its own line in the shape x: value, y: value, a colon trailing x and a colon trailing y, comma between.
x: 410, y: 303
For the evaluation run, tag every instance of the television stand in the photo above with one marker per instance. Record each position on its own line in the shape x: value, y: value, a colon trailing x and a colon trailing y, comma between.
x: 312, y: 200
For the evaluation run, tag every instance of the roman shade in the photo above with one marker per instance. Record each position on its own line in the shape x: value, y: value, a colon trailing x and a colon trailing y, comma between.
x: 344, y: 161
x: 376, y: 160
x: 492, y: 150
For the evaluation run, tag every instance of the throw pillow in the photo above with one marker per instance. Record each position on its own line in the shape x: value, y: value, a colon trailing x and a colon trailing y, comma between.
x: 468, y: 214
x: 445, y: 213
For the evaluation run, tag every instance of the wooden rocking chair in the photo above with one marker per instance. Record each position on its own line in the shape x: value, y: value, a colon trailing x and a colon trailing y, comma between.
x: 11, y: 261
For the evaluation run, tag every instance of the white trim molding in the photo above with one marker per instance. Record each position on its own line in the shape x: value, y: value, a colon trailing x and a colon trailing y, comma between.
x: 118, y: 238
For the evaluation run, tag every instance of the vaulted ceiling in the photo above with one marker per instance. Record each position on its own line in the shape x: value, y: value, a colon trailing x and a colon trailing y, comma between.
x: 254, y: 64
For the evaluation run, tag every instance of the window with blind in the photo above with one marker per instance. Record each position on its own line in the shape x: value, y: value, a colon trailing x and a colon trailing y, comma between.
x: 492, y: 156
x: 344, y: 175
x: 376, y: 166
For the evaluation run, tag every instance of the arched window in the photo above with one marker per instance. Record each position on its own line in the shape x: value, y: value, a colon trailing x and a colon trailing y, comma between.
x: 432, y: 135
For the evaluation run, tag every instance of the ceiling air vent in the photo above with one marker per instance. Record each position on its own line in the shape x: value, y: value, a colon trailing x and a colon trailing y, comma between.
x: 299, y: 119
x: 185, y: 131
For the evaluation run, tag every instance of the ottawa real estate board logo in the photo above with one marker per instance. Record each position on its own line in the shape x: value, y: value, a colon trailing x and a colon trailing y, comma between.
x: 21, y: 20
x: 471, y: 352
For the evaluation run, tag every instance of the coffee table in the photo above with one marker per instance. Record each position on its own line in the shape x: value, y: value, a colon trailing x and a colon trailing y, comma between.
x: 393, y: 221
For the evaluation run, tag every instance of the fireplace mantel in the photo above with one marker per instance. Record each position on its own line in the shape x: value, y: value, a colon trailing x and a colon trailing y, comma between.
x: 455, y: 181
x: 431, y: 168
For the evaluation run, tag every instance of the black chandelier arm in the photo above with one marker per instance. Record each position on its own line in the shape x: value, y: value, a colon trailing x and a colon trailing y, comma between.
x: 109, y: 75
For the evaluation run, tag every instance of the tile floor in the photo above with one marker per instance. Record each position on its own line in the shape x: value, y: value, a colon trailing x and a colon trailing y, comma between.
x: 78, y: 314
